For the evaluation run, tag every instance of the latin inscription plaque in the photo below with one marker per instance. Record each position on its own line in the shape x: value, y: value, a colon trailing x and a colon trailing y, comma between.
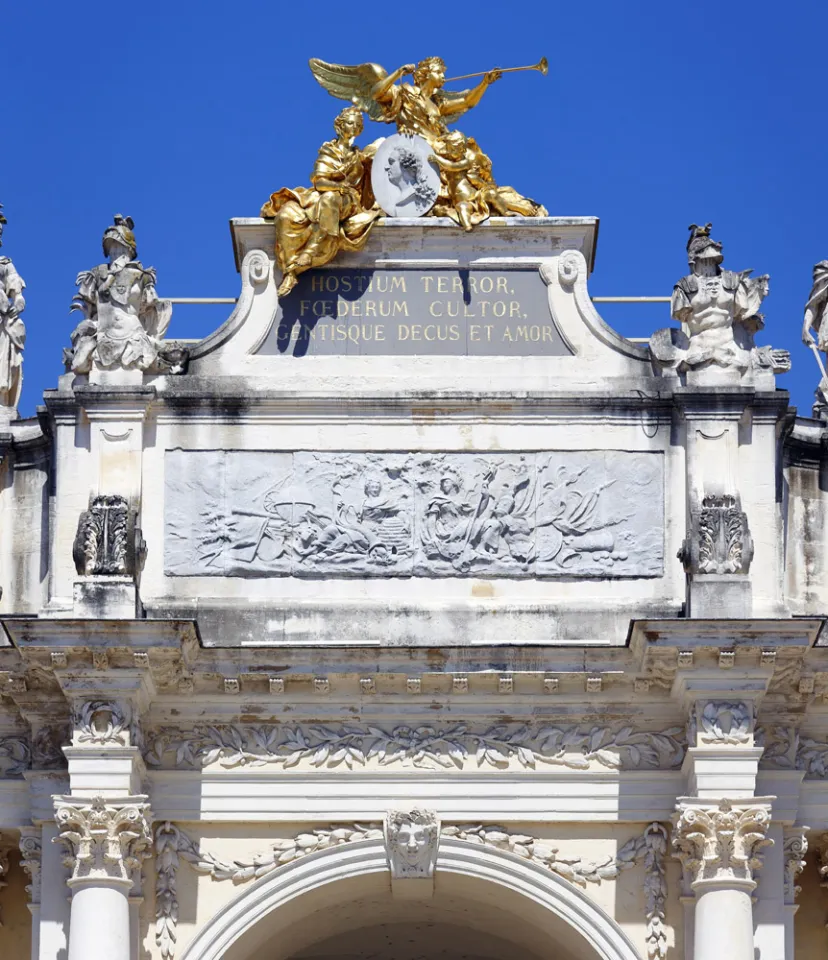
x: 462, y: 312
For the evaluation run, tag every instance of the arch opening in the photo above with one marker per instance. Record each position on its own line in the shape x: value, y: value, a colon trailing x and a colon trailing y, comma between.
x: 487, y: 905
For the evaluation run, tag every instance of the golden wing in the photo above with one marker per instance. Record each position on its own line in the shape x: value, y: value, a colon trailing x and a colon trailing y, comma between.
x: 351, y: 83
x: 456, y: 98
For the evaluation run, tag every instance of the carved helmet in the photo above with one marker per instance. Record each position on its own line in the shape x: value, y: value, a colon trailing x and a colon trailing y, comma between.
x: 700, y: 243
x: 121, y: 231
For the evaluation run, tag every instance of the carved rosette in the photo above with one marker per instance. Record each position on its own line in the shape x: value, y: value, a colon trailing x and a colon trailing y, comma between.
x: 411, y: 841
x: 720, y: 843
x: 106, y: 840
x: 31, y: 852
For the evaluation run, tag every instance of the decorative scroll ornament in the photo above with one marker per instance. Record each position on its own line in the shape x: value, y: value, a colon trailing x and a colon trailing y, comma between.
x: 31, y: 850
x: 172, y: 845
x: 719, y: 539
x: 107, y: 840
x: 124, y: 319
x: 454, y: 747
x: 100, y: 722
x: 716, y: 842
x: 107, y: 542
x: 12, y: 330
x: 722, y: 722
x: 411, y: 841
x: 15, y: 756
x: 795, y: 846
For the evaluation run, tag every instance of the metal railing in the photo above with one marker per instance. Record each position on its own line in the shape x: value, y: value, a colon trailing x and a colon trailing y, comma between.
x: 594, y: 299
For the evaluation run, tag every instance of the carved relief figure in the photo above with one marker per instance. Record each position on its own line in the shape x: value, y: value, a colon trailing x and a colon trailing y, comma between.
x: 470, y: 529
x: 376, y: 530
x: 12, y: 330
x: 404, y: 169
x: 813, y: 324
x: 124, y: 319
x: 245, y: 513
x: 336, y: 213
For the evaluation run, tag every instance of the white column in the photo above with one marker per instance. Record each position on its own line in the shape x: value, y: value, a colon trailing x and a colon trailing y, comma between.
x: 107, y: 840
x: 718, y: 844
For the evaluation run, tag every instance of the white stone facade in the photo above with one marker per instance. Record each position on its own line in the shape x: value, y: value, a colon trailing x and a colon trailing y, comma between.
x: 397, y: 652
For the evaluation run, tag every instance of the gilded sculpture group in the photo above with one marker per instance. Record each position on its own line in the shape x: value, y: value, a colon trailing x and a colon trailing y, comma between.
x: 337, y: 212
x: 124, y: 320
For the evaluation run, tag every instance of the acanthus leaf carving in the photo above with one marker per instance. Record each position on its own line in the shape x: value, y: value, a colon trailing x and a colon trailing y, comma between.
x: 105, y: 840
x: 107, y: 541
x: 455, y: 747
x: 719, y: 539
x: 721, y: 841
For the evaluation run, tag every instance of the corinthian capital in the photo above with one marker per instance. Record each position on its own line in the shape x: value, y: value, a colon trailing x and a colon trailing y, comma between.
x: 105, y: 840
x: 721, y: 841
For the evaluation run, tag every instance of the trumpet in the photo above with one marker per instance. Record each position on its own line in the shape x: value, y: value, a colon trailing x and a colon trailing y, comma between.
x: 542, y: 66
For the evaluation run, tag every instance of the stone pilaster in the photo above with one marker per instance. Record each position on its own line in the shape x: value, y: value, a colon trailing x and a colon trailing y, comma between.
x: 719, y: 846
x: 106, y: 842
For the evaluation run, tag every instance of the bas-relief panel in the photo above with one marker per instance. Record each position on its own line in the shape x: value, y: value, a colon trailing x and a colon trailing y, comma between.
x: 587, y: 513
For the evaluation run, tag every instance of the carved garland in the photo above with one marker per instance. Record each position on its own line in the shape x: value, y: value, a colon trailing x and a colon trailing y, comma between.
x: 173, y: 845
x: 355, y: 745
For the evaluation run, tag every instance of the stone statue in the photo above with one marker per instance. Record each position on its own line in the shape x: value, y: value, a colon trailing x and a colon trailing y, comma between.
x: 719, y: 315
x: 12, y: 330
x: 815, y: 310
x: 336, y: 213
x: 124, y: 319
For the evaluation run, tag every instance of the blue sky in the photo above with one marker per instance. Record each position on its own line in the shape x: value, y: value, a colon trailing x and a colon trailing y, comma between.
x: 182, y: 115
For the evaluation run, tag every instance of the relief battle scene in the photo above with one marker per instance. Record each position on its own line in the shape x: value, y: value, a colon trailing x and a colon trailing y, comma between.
x: 585, y: 513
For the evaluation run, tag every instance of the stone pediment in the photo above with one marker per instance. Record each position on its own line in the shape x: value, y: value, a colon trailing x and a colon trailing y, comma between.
x: 423, y: 306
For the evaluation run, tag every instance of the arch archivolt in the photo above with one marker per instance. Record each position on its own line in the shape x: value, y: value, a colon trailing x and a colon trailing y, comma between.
x: 487, y: 880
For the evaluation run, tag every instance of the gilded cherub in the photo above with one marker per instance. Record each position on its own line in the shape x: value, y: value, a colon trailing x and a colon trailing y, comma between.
x: 336, y: 213
x: 472, y: 193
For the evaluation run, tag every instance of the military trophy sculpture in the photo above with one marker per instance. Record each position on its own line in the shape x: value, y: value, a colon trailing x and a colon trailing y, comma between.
x: 424, y: 169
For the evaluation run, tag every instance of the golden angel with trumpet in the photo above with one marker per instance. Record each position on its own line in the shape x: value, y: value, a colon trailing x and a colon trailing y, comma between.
x: 337, y: 212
